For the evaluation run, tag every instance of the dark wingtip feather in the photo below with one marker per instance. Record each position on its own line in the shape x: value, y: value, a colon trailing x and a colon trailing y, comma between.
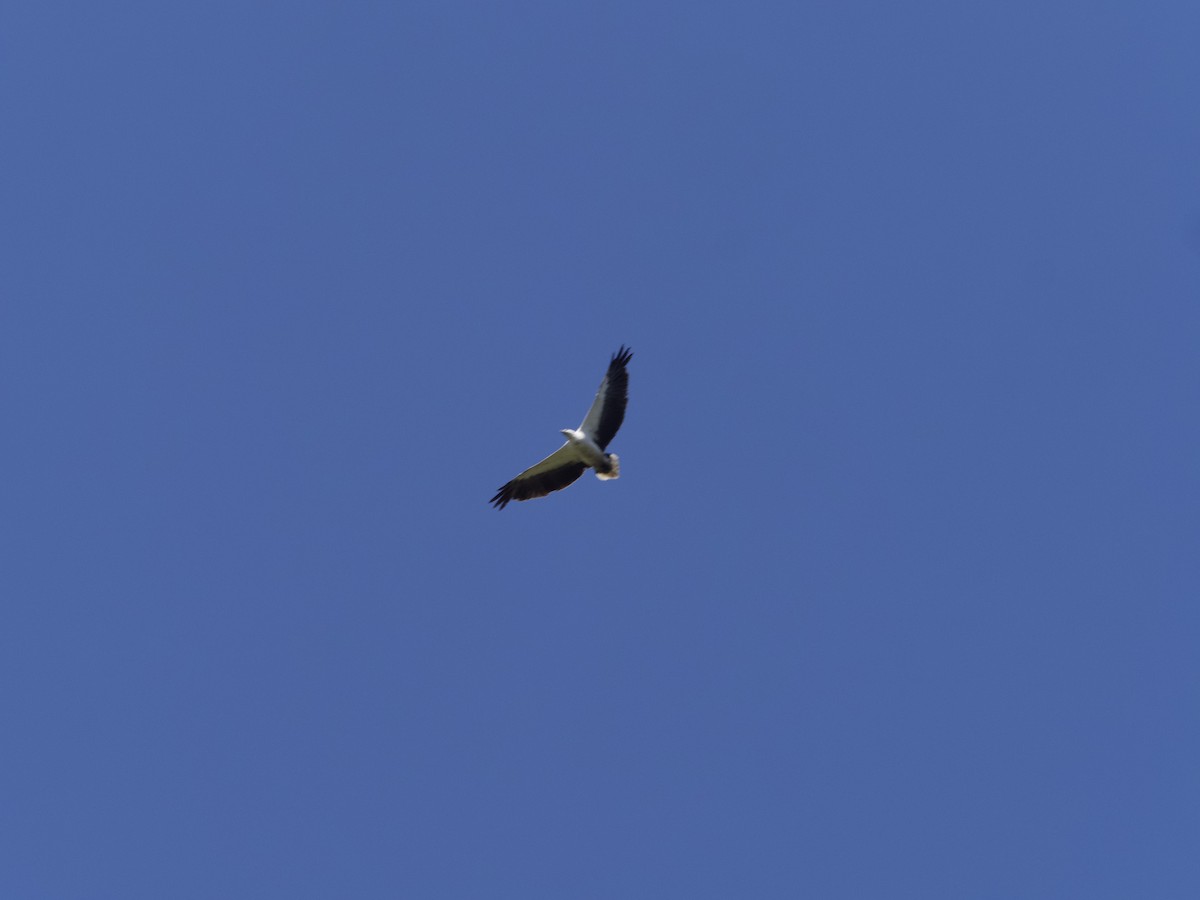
x: 502, y: 496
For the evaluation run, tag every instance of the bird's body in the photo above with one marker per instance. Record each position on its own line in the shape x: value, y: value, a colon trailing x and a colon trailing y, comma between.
x: 586, y: 445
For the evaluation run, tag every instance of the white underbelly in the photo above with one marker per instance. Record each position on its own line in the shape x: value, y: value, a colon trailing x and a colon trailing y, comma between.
x: 589, y: 452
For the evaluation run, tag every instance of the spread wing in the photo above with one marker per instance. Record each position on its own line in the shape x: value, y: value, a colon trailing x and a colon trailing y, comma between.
x: 553, y: 473
x: 608, y: 409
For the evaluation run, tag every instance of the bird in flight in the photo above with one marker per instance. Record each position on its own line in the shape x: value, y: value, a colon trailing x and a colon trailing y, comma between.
x: 585, y: 445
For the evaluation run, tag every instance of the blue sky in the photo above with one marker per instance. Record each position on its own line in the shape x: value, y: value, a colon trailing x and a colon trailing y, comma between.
x: 897, y: 592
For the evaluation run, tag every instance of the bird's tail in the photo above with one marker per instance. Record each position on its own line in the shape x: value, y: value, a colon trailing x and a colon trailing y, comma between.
x: 614, y: 472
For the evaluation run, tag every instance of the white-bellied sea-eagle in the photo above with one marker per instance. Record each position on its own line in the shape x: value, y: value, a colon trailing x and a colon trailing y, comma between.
x: 585, y: 445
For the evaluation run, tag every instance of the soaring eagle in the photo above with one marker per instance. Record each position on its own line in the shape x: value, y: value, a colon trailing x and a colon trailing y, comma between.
x: 585, y: 445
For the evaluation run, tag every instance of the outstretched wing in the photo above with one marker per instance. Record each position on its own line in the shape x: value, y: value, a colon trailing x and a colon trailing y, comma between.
x: 553, y: 473
x: 608, y: 409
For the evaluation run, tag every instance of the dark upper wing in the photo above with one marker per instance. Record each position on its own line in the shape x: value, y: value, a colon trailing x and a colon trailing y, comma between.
x: 608, y: 409
x: 553, y: 473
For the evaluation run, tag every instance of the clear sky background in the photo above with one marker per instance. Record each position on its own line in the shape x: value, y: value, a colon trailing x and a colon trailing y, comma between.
x: 898, y: 594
